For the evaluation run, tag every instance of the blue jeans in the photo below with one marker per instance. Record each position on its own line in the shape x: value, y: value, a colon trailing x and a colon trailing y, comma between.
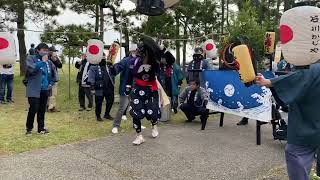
x: 299, y: 161
x: 6, y: 83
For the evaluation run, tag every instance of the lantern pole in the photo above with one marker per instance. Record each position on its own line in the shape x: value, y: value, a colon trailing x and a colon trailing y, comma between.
x: 69, y: 73
x: 120, y: 39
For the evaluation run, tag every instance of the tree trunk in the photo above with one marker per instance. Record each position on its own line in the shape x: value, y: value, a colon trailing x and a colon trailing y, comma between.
x: 222, y: 16
x: 97, y: 14
x: 278, y: 11
x: 185, y: 33
x: 288, y: 4
x: 101, y: 23
x: 21, y: 37
x: 127, y: 40
x: 227, y: 13
x: 177, y: 42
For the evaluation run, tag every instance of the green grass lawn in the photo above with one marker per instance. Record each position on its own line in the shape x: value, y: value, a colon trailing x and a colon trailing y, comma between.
x: 67, y: 126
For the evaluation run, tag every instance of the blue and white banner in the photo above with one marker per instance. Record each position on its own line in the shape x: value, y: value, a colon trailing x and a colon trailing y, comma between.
x: 228, y: 94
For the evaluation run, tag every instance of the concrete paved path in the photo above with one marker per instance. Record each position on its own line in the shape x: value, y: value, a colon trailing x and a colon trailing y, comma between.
x: 181, y: 152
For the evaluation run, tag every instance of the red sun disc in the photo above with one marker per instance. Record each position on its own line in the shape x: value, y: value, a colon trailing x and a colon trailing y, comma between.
x: 93, y: 49
x: 286, y: 34
x: 209, y: 47
x: 3, y: 43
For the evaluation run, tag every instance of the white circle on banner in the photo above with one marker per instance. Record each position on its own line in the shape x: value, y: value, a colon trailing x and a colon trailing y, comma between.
x: 229, y: 90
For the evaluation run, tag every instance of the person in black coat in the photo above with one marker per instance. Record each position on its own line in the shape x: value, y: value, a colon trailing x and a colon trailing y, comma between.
x: 84, y: 85
x: 53, y: 57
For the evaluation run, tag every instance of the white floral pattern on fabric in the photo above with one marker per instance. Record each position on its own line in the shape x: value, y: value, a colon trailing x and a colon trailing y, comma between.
x: 143, y: 111
x: 136, y: 101
x: 142, y: 93
x: 150, y: 111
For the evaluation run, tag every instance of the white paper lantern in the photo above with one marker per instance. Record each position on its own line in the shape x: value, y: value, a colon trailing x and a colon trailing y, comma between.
x: 8, y: 52
x: 210, y: 49
x: 300, y: 35
x: 94, y: 51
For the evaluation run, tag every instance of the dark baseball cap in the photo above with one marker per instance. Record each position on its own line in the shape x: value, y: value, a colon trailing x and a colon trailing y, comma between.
x: 53, y: 49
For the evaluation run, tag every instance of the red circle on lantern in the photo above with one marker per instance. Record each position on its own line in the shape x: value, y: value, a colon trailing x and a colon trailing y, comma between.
x: 3, y: 43
x: 209, y: 47
x: 93, y: 49
x: 286, y: 34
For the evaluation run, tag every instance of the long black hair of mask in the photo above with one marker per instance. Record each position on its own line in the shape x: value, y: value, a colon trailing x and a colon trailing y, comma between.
x: 148, y: 47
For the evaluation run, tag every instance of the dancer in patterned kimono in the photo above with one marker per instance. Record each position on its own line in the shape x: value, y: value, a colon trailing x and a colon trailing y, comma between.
x: 144, y: 96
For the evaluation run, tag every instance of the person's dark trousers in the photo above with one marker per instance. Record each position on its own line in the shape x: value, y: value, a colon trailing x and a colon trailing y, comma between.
x: 99, y: 101
x: 83, y: 92
x: 299, y: 161
x: 109, y: 95
x: 125, y: 112
x: 174, y: 102
x: 192, y: 111
x: 37, y: 106
x: 6, y: 83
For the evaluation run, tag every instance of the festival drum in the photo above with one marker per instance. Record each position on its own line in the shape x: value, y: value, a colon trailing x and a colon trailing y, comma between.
x: 243, y: 57
x: 94, y: 51
x: 8, y: 52
x: 113, y: 52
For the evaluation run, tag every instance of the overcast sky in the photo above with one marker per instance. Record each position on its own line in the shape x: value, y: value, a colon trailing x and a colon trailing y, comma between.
x: 70, y: 17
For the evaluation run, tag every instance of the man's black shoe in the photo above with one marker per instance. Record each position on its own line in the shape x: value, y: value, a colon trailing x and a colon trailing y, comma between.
x: 108, y: 117
x: 243, y: 122
x: 99, y: 119
x: 44, y: 131
x: 28, y: 133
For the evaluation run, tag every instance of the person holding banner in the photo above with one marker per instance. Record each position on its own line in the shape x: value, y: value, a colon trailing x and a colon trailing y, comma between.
x: 193, y: 101
x: 144, y: 96
x: 40, y: 77
x: 102, y: 87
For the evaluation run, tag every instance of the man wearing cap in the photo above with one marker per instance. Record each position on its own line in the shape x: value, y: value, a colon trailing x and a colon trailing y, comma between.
x: 40, y: 77
x: 53, y: 57
x: 196, y: 66
x: 124, y: 67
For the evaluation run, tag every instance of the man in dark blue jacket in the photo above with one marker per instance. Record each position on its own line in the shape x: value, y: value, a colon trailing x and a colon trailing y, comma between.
x: 124, y: 67
x: 40, y: 76
x: 101, y: 78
